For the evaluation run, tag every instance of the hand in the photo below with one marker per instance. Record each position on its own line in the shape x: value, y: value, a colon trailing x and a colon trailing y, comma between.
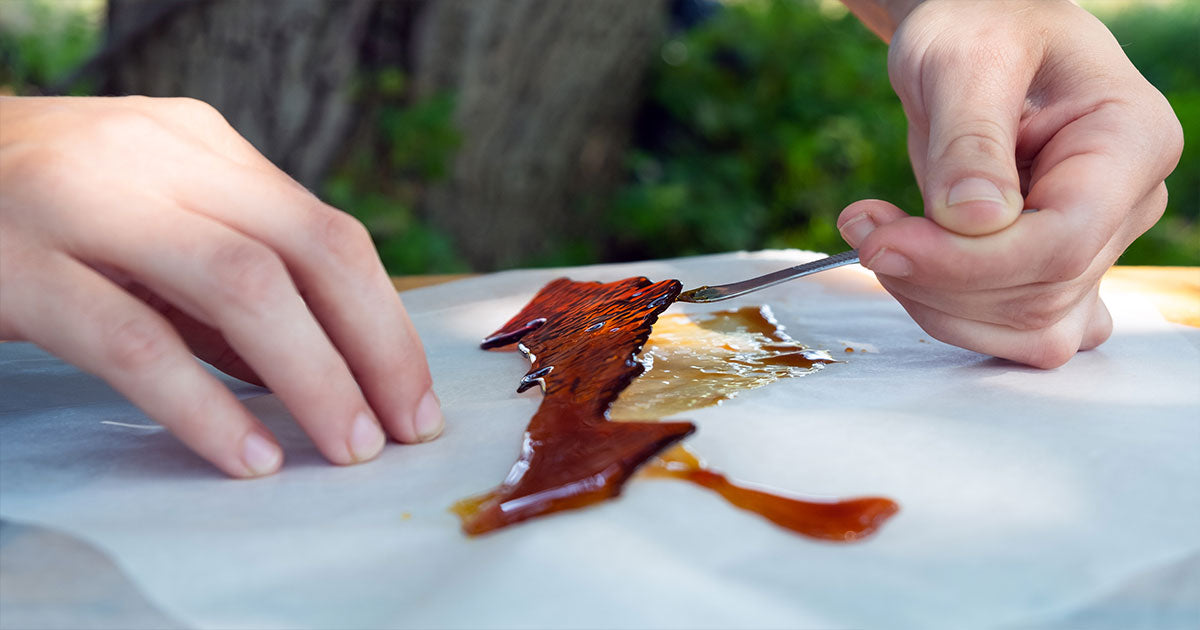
x: 136, y: 228
x: 1013, y: 105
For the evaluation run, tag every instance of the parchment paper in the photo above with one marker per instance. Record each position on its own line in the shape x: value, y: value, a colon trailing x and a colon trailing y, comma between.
x: 1028, y: 498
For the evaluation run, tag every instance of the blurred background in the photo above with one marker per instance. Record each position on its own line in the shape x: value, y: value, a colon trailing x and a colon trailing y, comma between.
x: 473, y: 135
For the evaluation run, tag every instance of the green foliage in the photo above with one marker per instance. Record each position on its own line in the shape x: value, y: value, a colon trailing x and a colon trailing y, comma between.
x: 766, y: 121
x: 780, y: 116
x: 411, y: 145
x: 43, y: 41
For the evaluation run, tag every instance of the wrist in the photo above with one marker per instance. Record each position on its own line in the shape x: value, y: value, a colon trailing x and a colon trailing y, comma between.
x: 883, y: 17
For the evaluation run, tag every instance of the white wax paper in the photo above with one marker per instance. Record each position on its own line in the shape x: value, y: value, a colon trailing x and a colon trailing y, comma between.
x: 1028, y: 498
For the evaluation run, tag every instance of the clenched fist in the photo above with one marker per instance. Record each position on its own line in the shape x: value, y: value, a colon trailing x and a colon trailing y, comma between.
x: 1014, y: 105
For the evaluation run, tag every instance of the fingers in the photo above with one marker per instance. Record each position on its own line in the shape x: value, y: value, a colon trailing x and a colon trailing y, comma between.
x: 77, y: 314
x: 335, y: 265
x: 1099, y: 327
x: 206, y: 342
x: 1004, y: 99
x: 328, y: 255
x: 1087, y: 160
x: 1041, y: 324
x: 1102, y: 165
x: 964, y: 101
x: 1026, y: 307
x: 1036, y: 304
x: 261, y: 278
x: 971, y: 185
x: 197, y: 123
x: 919, y: 251
x: 1049, y: 246
x: 1085, y: 326
x: 237, y: 285
x: 1032, y: 307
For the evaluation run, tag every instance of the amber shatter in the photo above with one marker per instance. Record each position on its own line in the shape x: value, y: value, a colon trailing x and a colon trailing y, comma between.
x: 583, y: 339
x: 700, y: 360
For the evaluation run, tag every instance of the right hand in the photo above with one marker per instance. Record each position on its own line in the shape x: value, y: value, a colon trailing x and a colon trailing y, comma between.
x: 1013, y: 105
x: 134, y: 229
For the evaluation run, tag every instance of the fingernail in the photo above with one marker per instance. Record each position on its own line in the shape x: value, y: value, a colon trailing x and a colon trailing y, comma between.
x: 974, y: 189
x: 890, y: 263
x: 428, y: 419
x: 366, y: 438
x: 260, y: 455
x: 856, y: 230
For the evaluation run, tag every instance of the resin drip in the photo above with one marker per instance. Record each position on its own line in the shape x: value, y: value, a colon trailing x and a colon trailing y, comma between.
x: 837, y: 521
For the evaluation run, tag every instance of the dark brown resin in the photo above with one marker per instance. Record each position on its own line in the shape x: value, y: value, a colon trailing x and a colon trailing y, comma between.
x: 583, y: 339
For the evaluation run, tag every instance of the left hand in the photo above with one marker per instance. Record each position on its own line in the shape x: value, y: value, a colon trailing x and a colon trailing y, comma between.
x: 1012, y: 105
x: 138, y: 231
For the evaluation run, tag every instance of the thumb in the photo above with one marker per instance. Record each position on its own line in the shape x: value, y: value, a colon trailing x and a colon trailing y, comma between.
x: 971, y: 184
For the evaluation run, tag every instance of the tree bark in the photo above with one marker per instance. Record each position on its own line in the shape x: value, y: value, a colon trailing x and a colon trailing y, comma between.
x: 545, y: 95
x: 280, y: 72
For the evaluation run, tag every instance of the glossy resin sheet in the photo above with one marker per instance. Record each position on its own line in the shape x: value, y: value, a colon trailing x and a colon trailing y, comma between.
x: 583, y: 339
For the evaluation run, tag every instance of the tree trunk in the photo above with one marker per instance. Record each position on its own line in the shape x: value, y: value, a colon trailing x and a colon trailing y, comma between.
x: 280, y: 72
x: 545, y: 95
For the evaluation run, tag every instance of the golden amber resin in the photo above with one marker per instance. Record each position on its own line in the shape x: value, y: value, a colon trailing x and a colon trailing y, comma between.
x: 583, y: 339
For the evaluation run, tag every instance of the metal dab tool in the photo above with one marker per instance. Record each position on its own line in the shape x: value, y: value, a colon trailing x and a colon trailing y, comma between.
x: 727, y: 291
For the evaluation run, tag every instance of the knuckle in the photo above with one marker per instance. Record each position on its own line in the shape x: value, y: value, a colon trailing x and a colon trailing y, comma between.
x: 959, y: 271
x: 1073, y: 258
x: 1174, y: 137
x: 137, y: 344
x: 13, y: 269
x: 32, y: 167
x: 124, y: 127
x: 1052, y: 350
x: 195, y: 110
x: 978, y: 140
x: 1160, y: 133
x: 1147, y: 212
x: 347, y: 241
x: 246, y: 273
x: 970, y: 274
x: 1170, y: 136
x: 1038, y: 310
x: 1159, y: 198
x: 134, y: 103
